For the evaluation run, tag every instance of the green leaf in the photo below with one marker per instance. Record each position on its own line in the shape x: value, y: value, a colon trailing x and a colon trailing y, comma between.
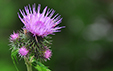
x: 13, y: 56
x: 14, y: 53
x: 39, y: 66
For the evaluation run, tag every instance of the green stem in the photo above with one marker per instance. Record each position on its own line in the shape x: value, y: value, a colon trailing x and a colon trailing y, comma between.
x: 28, y: 64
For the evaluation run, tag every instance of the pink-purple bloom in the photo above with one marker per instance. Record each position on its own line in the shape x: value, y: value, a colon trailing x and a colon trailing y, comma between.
x: 47, y: 54
x: 14, y: 36
x: 23, y: 51
x: 40, y: 24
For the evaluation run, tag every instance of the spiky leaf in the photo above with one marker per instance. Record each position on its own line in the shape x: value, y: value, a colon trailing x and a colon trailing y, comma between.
x: 14, y: 58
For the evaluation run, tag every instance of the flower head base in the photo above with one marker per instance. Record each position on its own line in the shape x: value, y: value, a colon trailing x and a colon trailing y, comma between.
x: 47, y: 54
x: 40, y: 24
x: 23, y: 51
x: 14, y: 36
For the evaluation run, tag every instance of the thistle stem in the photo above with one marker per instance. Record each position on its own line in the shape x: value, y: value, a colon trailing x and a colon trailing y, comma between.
x: 28, y: 64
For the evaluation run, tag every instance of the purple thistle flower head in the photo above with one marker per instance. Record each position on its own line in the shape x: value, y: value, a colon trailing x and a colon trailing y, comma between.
x: 14, y: 36
x: 40, y: 24
x: 47, y: 54
x: 23, y: 51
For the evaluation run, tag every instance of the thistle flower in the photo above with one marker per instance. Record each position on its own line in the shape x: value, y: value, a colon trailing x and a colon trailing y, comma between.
x: 23, y: 51
x: 14, y: 36
x: 40, y: 24
x: 47, y: 54
x: 35, y: 35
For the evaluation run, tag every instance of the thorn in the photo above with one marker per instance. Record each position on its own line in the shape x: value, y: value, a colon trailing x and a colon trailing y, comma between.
x: 36, y: 39
x: 31, y: 58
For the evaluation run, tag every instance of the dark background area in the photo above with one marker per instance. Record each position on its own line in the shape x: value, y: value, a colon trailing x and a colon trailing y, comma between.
x: 86, y: 44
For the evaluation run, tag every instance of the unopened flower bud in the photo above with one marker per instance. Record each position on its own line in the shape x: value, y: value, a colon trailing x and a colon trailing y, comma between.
x: 23, y: 51
x: 14, y: 36
x: 47, y: 54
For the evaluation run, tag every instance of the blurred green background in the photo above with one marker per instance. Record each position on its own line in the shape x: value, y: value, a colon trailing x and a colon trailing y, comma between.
x: 86, y: 44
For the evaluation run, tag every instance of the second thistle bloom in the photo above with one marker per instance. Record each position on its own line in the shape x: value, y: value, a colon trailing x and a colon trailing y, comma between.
x: 14, y: 36
x: 23, y: 51
x: 40, y: 24
x: 47, y: 54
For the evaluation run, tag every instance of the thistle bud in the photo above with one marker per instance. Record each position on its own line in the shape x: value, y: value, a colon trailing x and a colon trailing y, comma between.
x: 23, y: 51
x: 14, y: 36
x: 47, y: 54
